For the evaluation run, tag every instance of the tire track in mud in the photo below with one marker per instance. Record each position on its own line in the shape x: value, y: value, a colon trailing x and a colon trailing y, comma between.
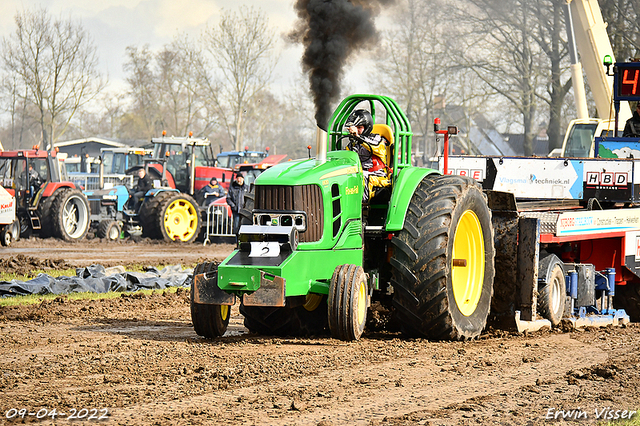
x: 391, y: 389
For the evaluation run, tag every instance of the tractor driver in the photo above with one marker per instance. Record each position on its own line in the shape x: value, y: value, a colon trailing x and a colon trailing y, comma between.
x: 142, y: 187
x: 373, y: 153
x: 632, y: 126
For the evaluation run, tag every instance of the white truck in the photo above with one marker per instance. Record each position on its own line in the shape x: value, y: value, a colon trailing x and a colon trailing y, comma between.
x: 9, y: 225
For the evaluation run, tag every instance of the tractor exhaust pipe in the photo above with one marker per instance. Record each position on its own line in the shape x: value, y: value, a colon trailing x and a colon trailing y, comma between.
x: 321, y: 145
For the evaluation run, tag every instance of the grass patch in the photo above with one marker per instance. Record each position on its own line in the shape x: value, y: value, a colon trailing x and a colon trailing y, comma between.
x: 634, y: 421
x: 69, y: 272
x: 5, y: 276
x: 33, y: 299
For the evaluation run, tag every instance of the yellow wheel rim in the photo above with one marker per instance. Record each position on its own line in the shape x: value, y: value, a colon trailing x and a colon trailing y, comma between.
x: 362, y: 302
x: 181, y: 220
x: 467, y: 264
x: 312, y: 302
x: 224, y: 312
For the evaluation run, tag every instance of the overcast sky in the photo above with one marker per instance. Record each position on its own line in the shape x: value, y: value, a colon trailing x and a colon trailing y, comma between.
x: 116, y: 24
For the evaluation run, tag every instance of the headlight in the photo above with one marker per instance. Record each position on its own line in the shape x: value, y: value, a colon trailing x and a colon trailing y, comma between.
x: 296, y: 219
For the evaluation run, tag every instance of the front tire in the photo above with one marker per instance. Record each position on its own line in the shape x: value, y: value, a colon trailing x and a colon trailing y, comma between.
x: 209, y: 321
x: 10, y: 233
x: 5, y: 236
x: 443, y: 260
x: 348, y: 302
x: 109, y: 229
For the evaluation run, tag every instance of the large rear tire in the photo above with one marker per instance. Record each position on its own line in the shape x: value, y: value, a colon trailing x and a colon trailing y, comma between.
x: 171, y: 216
x: 149, y: 213
x: 443, y: 260
x: 46, y: 218
x: 309, y: 319
x: 552, y: 293
x: 69, y: 214
x: 209, y: 321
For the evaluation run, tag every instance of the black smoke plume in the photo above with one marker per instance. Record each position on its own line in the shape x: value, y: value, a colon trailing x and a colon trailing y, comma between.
x: 331, y: 30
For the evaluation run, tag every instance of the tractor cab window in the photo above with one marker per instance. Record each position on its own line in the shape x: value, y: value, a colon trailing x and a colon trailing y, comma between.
x: 580, y: 140
x: 20, y: 174
x: 203, y: 159
x: 40, y: 167
x: 38, y: 173
x: 251, y: 175
x: 6, y: 175
x: 223, y: 161
x: 107, y: 161
x: 134, y: 160
x: 119, y: 163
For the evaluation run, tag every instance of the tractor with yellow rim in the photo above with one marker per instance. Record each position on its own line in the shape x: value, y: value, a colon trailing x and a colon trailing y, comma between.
x: 313, y: 254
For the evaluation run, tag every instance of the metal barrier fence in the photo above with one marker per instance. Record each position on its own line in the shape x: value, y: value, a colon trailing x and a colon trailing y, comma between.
x: 91, y: 182
x: 219, y: 223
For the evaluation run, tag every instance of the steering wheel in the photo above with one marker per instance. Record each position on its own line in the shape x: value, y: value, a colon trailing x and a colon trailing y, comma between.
x: 37, y: 182
x: 358, y: 140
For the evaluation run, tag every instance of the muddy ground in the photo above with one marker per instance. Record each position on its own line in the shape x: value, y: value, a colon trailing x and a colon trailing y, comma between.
x: 137, y: 360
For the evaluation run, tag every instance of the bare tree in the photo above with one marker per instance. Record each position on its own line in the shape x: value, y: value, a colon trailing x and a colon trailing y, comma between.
x: 178, y: 86
x: 623, y: 25
x: 548, y: 29
x: 143, y: 118
x: 55, y: 62
x: 241, y: 57
x: 500, y: 50
x: 417, y: 68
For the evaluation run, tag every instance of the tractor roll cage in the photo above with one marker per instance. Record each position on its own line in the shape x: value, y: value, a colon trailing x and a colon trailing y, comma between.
x: 395, y: 118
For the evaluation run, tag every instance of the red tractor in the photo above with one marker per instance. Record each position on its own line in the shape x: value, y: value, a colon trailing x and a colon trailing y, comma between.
x: 45, y: 202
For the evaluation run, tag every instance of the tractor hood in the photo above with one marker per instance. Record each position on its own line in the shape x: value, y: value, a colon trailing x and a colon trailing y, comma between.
x: 312, y: 171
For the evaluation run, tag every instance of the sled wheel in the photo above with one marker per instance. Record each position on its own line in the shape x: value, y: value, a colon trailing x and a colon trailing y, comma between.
x: 552, y: 293
x: 348, y: 302
x: 70, y: 214
x: 109, y: 229
x: 443, y: 260
x: 209, y: 321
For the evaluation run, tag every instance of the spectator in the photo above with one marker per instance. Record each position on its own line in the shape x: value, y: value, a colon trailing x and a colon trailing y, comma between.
x: 235, y: 199
x: 212, y: 192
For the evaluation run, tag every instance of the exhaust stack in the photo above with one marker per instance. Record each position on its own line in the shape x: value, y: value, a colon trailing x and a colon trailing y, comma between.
x: 321, y: 145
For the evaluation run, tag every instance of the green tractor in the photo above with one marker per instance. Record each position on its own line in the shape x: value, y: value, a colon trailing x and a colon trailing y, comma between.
x: 312, y: 255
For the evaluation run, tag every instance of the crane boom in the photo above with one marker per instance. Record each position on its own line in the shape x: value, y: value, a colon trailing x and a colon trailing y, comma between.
x: 593, y: 44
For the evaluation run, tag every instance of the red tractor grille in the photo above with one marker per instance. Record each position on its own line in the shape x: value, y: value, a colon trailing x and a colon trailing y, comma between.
x: 307, y: 198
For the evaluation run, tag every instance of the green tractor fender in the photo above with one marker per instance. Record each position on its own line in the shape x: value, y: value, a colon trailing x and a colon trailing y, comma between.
x: 403, y: 189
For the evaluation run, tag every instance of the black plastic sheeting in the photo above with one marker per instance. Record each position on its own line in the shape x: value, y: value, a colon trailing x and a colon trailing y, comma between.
x: 94, y: 279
